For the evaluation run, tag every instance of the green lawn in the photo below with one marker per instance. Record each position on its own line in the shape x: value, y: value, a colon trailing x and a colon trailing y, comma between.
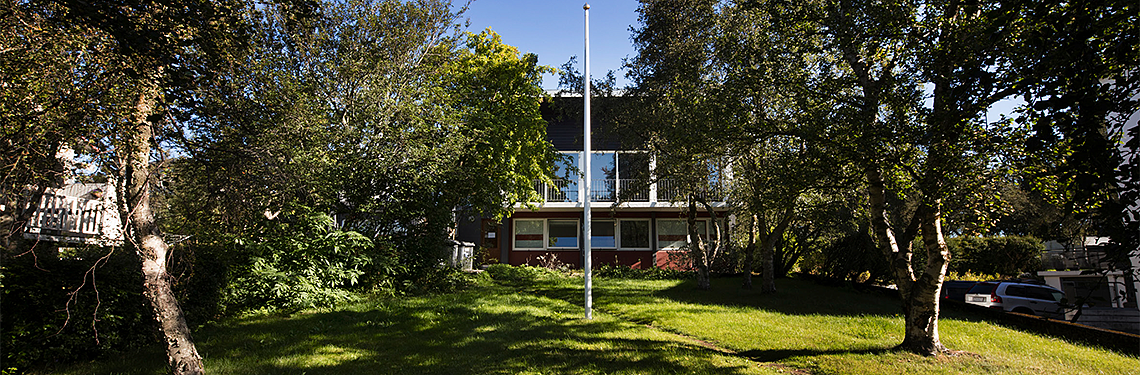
x: 649, y: 327
x: 836, y: 331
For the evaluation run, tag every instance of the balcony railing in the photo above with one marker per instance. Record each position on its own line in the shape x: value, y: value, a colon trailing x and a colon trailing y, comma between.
x: 625, y: 190
x: 1075, y: 259
x: 632, y: 190
x: 560, y: 191
x: 673, y: 190
x: 67, y: 216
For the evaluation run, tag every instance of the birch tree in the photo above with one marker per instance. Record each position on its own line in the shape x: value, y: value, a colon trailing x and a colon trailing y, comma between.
x: 143, y: 48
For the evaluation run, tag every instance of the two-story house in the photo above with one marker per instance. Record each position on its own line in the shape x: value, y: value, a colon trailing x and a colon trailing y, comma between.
x: 638, y: 219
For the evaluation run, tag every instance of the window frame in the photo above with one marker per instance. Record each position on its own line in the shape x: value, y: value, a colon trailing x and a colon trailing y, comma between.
x: 617, y: 234
x: 648, y: 235
x: 514, y: 235
x: 577, y: 235
x: 660, y: 247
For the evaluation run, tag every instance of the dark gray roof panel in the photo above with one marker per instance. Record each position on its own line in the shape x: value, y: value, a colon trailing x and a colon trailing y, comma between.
x: 564, y: 126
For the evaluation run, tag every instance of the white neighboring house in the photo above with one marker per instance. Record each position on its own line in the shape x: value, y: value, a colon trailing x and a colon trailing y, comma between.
x: 79, y: 213
x: 1078, y: 271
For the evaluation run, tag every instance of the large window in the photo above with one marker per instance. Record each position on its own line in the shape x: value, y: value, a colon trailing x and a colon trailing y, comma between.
x: 634, y: 234
x: 623, y: 234
x: 529, y: 234
x: 603, y: 177
x: 674, y: 234
x: 564, y: 233
x: 602, y: 234
x: 565, y: 188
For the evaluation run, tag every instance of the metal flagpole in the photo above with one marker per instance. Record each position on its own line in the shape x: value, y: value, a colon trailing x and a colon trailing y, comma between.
x: 586, y: 268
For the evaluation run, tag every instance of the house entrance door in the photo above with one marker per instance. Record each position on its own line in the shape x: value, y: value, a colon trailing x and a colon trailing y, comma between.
x: 489, y: 242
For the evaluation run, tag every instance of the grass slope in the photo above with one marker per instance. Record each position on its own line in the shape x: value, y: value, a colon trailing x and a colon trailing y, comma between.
x: 487, y: 330
x: 646, y: 327
x: 836, y: 331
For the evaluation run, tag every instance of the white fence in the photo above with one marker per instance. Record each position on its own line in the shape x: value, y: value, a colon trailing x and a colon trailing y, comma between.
x: 63, y: 218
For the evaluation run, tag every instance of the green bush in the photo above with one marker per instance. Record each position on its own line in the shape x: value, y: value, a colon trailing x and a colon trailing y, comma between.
x: 1004, y: 256
x: 78, y: 306
x: 435, y: 280
x: 512, y: 274
x: 303, y: 262
x: 853, y: 257
x: 654, y: 273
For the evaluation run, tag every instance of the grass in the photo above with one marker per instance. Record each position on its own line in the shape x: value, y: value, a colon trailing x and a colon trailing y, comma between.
x: 836, y: 331
x: 639, y: 326
x: 490, y: 329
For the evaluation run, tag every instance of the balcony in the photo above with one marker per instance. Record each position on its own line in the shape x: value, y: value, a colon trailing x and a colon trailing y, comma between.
x: 625, y: 191
x: 62, y: 218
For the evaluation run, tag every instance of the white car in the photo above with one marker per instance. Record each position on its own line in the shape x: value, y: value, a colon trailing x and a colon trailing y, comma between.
x: 1031, y: 299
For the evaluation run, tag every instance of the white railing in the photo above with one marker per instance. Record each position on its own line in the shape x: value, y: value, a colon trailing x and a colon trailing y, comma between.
x: 603, y: 190
x: 672, y: 190
x: 633, y: 190
x: 561, y: 191
x: 67, y: 216
x: 626, y: 190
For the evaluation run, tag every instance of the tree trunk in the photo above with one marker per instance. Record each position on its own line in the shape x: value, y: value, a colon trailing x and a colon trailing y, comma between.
x: 750, y: 253
x: 919, y: 295
x: 182, y: 355
x: 768, y: 238
x: 697, y: 247
x: 921, y: 301
x: 767, y: 270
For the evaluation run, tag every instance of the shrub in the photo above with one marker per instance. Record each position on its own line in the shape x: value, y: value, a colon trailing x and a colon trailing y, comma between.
x: 512, y: 274
x: 853, y: 257
x: 43, y: 323
x: 303, y: 263
x: 436, y: 280
x: 1005, y: 256
x: 624, y: 272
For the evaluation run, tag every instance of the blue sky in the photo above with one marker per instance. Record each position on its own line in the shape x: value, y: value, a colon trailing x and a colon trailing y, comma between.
x: 553, y: 30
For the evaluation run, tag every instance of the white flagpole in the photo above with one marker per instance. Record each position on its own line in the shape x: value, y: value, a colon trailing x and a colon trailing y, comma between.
x: 586, y: 268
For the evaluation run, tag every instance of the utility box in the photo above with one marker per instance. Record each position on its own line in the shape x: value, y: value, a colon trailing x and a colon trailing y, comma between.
x: 462, y: 255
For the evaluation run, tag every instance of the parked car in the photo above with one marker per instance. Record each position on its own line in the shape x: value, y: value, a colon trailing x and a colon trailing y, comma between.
x: 956, y: 290
x: 1031, y: 299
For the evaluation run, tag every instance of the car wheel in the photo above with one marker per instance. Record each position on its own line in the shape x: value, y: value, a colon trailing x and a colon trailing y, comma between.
x: 1023, y: 310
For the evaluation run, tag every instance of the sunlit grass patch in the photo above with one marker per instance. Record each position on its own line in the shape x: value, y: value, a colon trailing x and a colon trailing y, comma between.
x: 831, y: 330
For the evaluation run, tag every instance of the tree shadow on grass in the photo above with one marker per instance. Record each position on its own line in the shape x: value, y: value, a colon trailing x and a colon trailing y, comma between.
x: 794, y: 297
x: 777, y: 355
x: 484, y: 331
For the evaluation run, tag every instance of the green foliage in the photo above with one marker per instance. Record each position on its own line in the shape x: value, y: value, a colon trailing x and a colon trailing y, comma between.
x: 520, y: 274
x: 497, y: 92
x: 1004, y: 256
x: 854, y: 257
x: 434, y: 280
x: 76, y: 308
x: 302, y: 262
x: 623, y: 272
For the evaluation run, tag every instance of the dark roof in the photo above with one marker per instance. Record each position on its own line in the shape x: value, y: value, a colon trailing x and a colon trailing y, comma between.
x: 565, y: 126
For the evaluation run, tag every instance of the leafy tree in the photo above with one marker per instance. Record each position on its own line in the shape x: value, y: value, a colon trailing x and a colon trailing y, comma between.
x: 151, y: 51
x: 47, y: 104
x: 380, y: 113
x: 498, y: 94
x: 674, y: 119
x: 714, y: 79
x: 866, y: 64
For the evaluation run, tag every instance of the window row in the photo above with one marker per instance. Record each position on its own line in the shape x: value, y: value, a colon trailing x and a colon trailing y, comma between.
x: 624, y: 234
